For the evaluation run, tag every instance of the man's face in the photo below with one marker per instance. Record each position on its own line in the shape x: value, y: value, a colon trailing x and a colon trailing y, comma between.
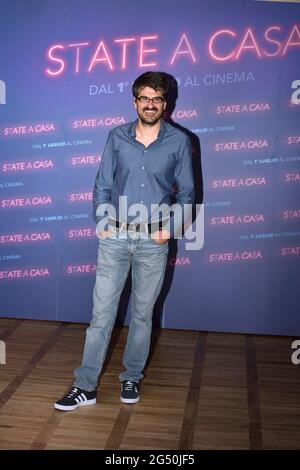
x: 149, y: 112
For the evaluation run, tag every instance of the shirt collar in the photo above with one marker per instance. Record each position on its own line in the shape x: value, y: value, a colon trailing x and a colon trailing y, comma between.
x: 161, y: 133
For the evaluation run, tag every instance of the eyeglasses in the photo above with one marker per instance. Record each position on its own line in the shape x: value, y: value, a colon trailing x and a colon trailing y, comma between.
x: 146, y: 100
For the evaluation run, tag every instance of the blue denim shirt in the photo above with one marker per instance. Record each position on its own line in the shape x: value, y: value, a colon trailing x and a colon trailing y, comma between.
x: 145, y: 175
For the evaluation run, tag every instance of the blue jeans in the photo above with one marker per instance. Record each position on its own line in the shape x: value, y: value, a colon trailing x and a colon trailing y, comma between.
x: 115, y: 256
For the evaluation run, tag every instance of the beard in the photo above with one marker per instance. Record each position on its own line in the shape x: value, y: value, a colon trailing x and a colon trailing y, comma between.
x: 149, y: 116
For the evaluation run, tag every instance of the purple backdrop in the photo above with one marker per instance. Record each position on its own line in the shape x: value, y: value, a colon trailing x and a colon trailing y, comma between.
x: 65, y: 81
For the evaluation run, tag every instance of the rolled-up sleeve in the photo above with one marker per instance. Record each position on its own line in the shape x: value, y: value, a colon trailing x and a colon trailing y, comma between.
x: 104, y: 179
x: 184, y: 181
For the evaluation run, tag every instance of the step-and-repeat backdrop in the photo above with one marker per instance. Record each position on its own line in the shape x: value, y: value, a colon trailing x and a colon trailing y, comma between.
x: 65, y: 82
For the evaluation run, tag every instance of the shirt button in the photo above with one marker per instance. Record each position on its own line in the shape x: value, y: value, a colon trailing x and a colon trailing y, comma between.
x: 143, y: 167
x: 145, y: 151
x: 143, y: 185
x: 142, y: 202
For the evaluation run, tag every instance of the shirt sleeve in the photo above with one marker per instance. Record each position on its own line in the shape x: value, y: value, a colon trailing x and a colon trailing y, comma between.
x: 184, y: 181
x: 104, y: 179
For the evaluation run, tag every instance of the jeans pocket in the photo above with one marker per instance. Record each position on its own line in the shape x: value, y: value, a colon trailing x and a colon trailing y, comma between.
x: 113, y: 234
x: 157, y: 244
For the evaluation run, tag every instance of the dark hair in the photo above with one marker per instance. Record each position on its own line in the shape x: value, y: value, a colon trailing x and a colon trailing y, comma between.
x: 157, y: 80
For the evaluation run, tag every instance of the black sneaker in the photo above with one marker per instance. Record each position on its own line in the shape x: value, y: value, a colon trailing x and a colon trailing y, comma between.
x: 75, y: 398
x: 129, y: 392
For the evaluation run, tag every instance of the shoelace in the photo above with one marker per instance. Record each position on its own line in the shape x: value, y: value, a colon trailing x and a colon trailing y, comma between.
x: 129, y: 385
x: 73, y: 392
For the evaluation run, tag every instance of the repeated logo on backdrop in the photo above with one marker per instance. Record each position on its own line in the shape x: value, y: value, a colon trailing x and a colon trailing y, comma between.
x: 239, y: 98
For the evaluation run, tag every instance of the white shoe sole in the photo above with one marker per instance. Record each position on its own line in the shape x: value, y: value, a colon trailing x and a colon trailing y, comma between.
x: 74, y: 407
x: 130, y: 400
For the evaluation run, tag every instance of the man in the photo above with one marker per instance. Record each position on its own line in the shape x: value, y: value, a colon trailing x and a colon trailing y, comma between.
x: 142, y: 160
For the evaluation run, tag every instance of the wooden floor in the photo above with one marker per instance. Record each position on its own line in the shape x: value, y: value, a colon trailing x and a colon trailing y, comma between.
x: 201, y: 391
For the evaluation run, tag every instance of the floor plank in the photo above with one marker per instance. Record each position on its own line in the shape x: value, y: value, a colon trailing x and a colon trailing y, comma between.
x: 200, y: 391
